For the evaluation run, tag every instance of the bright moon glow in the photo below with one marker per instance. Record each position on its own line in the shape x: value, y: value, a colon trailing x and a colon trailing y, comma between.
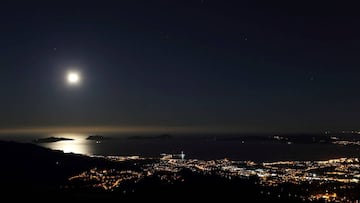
x: 73, y: 78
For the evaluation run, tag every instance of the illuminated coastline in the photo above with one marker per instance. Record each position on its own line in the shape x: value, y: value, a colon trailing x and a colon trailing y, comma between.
x: 344, y: 172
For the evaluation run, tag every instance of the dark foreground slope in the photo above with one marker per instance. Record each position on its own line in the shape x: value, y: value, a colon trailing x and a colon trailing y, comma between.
x: 37, y: 172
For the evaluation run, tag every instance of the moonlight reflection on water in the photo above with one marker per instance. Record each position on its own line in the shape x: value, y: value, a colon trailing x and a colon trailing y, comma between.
x: 78, y: 145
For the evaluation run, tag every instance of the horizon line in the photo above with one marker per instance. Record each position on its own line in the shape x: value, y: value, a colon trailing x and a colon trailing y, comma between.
x: 111, y: 129
x: 131, y: 129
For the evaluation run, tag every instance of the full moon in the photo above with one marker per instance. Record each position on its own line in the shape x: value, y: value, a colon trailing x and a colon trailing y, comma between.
x: 73, y: 78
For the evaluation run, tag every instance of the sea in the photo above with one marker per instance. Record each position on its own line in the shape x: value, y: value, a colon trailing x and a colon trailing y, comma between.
x: 194, y: 146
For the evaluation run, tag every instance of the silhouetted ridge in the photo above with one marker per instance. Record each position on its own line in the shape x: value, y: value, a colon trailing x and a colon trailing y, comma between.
x: 29, y: 167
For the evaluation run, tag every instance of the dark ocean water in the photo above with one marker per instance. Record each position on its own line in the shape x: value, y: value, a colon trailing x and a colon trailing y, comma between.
x: 195, y: 146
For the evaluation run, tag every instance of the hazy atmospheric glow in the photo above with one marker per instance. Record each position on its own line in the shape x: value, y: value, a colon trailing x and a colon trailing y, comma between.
x: 114, y: 129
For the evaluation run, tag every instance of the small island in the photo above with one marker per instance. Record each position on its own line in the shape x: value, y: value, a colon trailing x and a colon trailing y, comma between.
x: 51, y: 139
x: 96, y: 137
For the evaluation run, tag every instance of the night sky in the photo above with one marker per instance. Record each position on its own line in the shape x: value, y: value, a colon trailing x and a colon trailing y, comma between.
x: 245, y: 67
